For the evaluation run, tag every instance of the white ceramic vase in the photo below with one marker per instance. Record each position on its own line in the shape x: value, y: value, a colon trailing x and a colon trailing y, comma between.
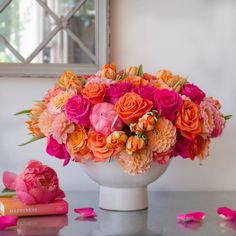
x: 120, y: 191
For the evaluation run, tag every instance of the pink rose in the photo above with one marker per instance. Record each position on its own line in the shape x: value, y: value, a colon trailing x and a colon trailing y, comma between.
x: 193, y: 92
x: 57, y: 150
x: 104, y: 119
x: 168, y: 102
x: 38, y: 184
x: 78, y: 110
x: 146, y: 91
x: 115, y: 91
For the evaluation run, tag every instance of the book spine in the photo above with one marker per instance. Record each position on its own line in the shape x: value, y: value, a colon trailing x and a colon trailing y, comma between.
x: 42, y: 209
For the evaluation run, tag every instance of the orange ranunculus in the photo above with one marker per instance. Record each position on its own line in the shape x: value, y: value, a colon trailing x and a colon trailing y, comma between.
x: 69, y: 80
x: 94, y: 92
x: 77, y: 144
x: 200, y: 148
x: 135, y: 80
x: 132, y: 71
x: 188, y: 120
x: 130, y: 107
x: 134, y: 144
x: 34, y: 128
x: 116, y: 140
x: 98, y: 145
x: 108, y: 71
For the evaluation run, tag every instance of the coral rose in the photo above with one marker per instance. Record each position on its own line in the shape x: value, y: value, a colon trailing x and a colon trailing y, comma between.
x: 78, y: 110
x: 116, y: 140
x: 38, y: 184
x: 98, y: 145
x: 57, y: 150
x: 130, y: 107
x: 69, y: 80
x: 188, y: 120
x: 193, y: 92
x: 168, y: 102
x: 135, y: 80
x: 136, y: 164
x: 104, y: 119
x: 94, y: 92
x: 77, y: 144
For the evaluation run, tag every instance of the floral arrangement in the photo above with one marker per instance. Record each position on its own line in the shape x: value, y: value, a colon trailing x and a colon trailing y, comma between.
x: 137, y: 118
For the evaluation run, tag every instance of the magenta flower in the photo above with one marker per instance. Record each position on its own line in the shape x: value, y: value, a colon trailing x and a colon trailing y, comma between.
x: 57, y: 150
x: 193, y: 92
x: 169, y: 102
x: 85, y: 212
x: 37, y: 184
x: 78, y: 110
x: 104, y: 119
x: 146, y: 91
x: 115, y: 91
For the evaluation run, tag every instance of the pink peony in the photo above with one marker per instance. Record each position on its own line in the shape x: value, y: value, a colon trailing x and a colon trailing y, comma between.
x: 146, y: 91
x: 61, y: 127
x: 193, y: 92
x: 117, y: 90
x: 37, y: 184
x: 78, y: 110
x: 57, y: 150
x: 182, y: 147
x: 168, y: 102
x: 104, y: 119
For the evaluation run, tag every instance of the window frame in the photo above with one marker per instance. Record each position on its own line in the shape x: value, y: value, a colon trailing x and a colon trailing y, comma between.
x: 40, y: 70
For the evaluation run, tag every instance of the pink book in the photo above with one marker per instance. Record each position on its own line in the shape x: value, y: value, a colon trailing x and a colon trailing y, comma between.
x: 12, y: 206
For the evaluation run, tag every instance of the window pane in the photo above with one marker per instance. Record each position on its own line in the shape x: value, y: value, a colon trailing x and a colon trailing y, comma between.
x: 26, y: 24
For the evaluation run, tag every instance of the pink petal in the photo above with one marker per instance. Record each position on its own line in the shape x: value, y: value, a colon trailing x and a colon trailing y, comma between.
x: 9, y: 180
x: 226, y: 213
x: 25, y: 198
x: 7, y: 221
x: 193, y: 216
x: 85, y: 212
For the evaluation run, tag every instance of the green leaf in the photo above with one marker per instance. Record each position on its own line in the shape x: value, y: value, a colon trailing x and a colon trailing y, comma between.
x: 22, y: 112
x: 30, y: 141
x: 38, y: 101
x: 227, y: 117
x: 125, y: 74
x: 140, y: 71
x: 82, y: 80
x: 180, y: 82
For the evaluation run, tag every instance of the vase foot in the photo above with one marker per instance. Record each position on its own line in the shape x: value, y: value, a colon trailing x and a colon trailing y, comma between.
x: 123, y: 199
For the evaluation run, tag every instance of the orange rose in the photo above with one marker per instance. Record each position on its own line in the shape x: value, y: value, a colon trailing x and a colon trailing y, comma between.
x: 77, y: 144
x: 134, y: 144
x: 94, y: 92
x: 116, y: 140
x: 188, y: 121
x: 69, y: 80
x: 98, y: 146
x: 130, y: 107
x: 135, y: 80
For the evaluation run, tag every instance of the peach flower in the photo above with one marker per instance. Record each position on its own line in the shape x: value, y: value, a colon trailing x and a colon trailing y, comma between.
x: 52, y: 93
x: 61, y: 127
x: 134, y: 144
x: 108, y: 71
x: 34, y: 128
x: 69, y: 80
x: 188, y: 120
x: 36, y: 110
x: 116, y: 140
x: 132, y: 71
x: 98, y: 145
x: 135, y: 80
x: 136, y: 164
x: 45, y: 123
x: 130, y: 107
x: 57, y: 104
x: 200, y: 148
x: 163, y: 137
x: 77, y: 144
x: 94, y: 92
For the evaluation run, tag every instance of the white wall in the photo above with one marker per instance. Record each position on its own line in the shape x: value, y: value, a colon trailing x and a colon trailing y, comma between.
x: 195, y: 38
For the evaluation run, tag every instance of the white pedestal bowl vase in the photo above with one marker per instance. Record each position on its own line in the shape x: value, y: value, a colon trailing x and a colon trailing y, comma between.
x: 120, y: 191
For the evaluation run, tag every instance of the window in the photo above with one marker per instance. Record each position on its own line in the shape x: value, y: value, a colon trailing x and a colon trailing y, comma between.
x: 45, y: 37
